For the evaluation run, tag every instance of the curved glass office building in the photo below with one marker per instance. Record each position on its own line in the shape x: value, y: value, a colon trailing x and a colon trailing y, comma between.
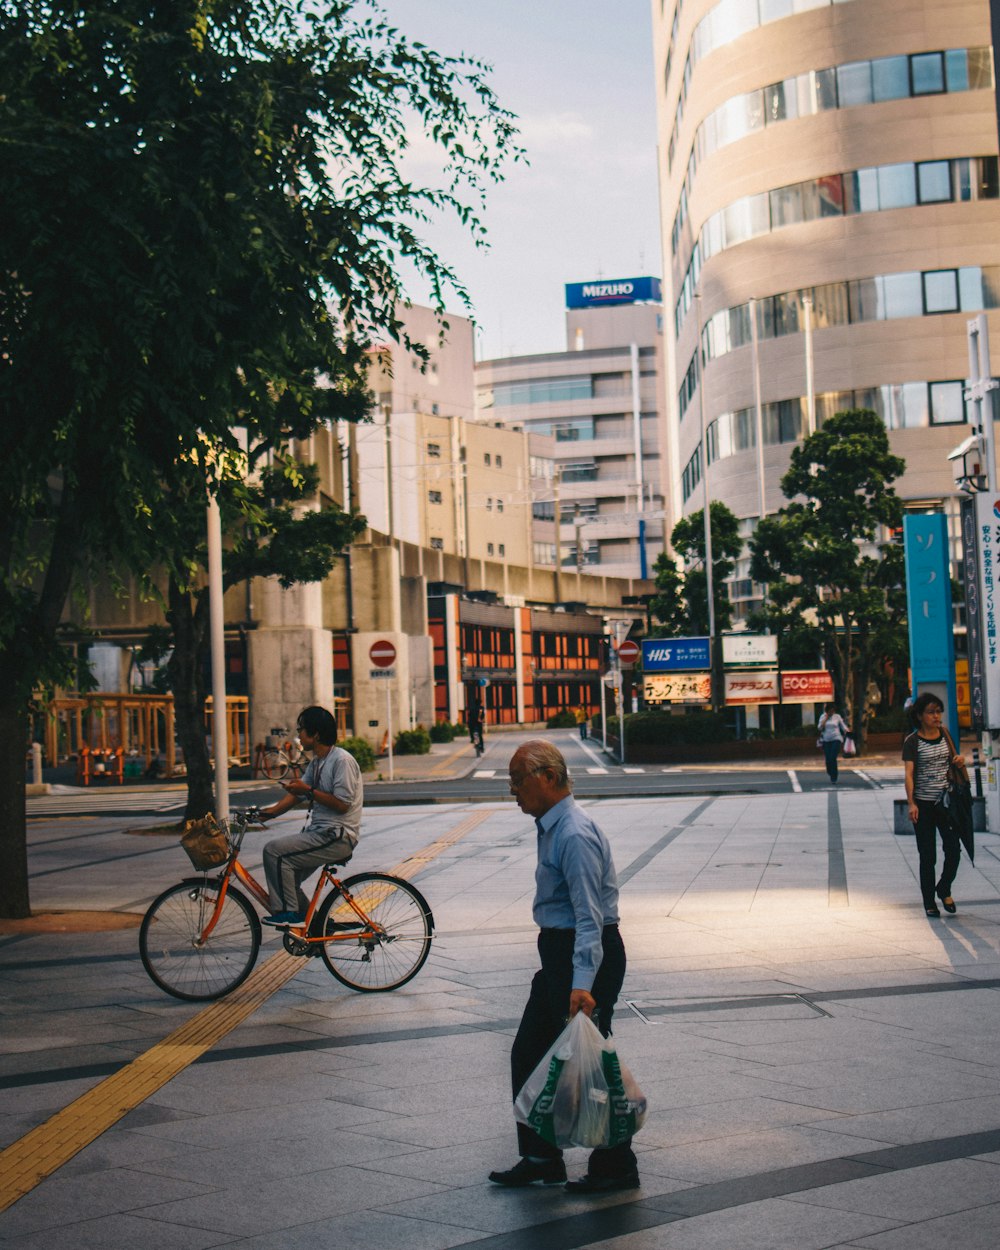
x: 828, y: 174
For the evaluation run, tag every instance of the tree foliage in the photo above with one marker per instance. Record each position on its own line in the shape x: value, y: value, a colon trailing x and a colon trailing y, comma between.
x: 206, y: 213
x: 821, y: 558
x: 681, y: 602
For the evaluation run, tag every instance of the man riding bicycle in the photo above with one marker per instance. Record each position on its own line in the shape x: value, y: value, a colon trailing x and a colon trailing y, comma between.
x: 333, y: 787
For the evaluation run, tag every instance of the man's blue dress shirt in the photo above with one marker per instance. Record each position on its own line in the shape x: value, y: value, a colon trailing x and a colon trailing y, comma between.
x: 575, y: 884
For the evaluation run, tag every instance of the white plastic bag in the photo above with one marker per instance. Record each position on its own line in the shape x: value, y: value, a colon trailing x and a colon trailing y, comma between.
x: 580, y: 1094
x: 850, y: 746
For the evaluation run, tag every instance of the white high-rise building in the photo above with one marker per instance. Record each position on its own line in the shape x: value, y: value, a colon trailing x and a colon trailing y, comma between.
x: 601, y: 400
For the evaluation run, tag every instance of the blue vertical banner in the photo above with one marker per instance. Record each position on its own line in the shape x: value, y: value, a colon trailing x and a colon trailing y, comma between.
x: 928, y: 604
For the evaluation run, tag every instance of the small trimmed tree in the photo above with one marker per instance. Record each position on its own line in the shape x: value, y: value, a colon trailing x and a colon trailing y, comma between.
x: 821, y: 558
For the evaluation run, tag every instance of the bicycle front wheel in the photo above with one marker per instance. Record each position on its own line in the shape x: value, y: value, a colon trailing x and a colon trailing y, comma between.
x: 275, y: 764
x: 386, y: 948
x: 171, y: 946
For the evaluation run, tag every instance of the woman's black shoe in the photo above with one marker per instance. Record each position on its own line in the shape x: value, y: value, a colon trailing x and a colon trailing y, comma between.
x: 947, y: 902
x: 932, y: 911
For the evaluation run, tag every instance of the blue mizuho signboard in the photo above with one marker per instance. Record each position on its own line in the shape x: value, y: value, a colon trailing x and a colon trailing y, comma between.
x: 928, y: 603
x: 674, y: 655
x: 613, y: 291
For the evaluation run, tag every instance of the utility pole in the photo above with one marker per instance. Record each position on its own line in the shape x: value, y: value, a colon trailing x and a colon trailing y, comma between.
x: 709, y: 580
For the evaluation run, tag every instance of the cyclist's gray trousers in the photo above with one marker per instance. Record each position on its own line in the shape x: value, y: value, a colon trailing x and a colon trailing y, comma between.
x: 289, y: 860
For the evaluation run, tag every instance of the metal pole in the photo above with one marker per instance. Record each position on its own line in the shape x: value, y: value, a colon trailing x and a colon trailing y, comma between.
x: 709, y: 586
x: 980, y: 375
x: 220, y: 737
x: 388, y: 721
x: 807, y: 307
x: 759, y: 411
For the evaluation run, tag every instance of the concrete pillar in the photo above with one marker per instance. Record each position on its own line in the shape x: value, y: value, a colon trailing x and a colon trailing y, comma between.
x: 290, y: 657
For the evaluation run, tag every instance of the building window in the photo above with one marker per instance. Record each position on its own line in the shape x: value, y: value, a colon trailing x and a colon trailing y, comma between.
x: 434, y: 451
x: 489, y: 549
x: 486, y: 457
x: 503, y: 549
x: 499, y: 505
x: 947, y: 403
x: 498, y: 461
x: 433, y: 496
x: 437, y: 544
x: 941, y: 291
x: 489, y: 505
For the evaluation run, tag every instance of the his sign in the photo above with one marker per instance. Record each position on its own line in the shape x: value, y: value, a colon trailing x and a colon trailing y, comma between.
x: 672, y: 655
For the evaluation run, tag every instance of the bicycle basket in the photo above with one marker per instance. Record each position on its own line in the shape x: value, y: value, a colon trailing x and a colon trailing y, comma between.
x: 205, y: 842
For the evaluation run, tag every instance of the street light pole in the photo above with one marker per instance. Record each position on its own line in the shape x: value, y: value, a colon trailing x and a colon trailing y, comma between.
x: 220, y: 737
x: 709, y: 586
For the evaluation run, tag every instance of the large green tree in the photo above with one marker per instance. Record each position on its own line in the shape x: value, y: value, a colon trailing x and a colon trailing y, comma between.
x: 681, y: 602
x: 821, y: 557
x: 206, y: 207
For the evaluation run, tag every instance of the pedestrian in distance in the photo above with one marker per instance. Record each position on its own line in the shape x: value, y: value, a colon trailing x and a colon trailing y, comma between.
x: 581, y: 952
x: 475, y: 722
x: 332, y: 786
x: 928, y: 753
x: 833, y: 733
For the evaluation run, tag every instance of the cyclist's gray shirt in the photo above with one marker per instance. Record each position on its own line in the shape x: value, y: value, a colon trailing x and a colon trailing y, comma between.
x: 337, y: 774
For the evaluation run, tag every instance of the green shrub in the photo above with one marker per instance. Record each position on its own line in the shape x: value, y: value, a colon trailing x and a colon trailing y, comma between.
x: 442, y: 731
x: 361, y: 749
x: 663, y: 729
x: 413, y: 741
x: 895, y: 720
x: 562, y: 720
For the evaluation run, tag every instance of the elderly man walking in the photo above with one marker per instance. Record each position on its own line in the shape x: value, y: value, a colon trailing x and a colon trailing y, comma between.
x: 581, y: 952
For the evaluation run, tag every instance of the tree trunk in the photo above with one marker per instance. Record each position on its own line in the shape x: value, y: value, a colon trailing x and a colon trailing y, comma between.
x: 15, y: 903
x: 185, y: 670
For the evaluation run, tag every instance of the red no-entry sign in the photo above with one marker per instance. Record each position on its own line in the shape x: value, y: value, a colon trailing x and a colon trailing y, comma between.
x: 382, y: 653
x: 628, y: 652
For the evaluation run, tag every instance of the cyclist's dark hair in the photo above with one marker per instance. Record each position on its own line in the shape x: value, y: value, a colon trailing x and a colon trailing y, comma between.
x: 319, y: 723
x: 921, y: 705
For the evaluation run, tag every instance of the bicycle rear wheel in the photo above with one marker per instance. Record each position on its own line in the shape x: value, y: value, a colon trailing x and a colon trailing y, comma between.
x: 275, y: 764
x: 391, y: 948
x: 172, y: 951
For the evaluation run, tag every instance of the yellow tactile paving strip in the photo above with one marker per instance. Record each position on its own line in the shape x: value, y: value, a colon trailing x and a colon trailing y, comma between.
x: 46, y: 1148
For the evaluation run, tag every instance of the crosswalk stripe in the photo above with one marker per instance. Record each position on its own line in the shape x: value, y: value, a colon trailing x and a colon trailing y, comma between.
x: 597, y: 771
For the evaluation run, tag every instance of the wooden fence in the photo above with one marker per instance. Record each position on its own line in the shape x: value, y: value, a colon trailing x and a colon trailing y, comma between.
x: 141, y: 725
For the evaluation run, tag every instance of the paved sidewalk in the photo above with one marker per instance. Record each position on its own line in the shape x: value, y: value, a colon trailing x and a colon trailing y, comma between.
x: 820, y: 1059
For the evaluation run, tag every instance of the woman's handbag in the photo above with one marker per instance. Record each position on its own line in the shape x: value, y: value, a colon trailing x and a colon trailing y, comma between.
x: 580, y: 1094
x: 205, y: 842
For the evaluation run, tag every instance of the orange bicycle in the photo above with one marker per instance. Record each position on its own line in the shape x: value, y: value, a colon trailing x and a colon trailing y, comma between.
x: 200, y: 938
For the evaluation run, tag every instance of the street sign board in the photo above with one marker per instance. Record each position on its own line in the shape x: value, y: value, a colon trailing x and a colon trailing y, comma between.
x: 672, y: 655
x: 741, y: 650
x: 751, y: 687
x: 677, y: 687
x: 381, y: 674
x: 810, y: 686
x: 382, y: 653
x: 628, y: 652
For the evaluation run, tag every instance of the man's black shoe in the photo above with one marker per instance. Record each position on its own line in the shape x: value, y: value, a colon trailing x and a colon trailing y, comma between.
x: 527, y: 1171
x: 603, y: 1184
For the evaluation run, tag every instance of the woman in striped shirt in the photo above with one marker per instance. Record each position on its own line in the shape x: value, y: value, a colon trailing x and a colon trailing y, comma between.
x: 927, y: 755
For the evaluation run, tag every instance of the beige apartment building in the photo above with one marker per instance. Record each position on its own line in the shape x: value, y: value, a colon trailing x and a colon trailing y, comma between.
x: 828, y: 177
x: 601, y: 401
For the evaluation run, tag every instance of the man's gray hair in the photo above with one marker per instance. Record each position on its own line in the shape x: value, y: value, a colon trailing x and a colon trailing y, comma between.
x: 538, y: 754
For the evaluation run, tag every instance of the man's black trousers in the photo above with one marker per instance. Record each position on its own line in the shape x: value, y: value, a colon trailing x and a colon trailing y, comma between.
x: 545, y: 1018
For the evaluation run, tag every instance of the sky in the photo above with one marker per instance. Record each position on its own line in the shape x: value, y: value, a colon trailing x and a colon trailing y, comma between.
x: 579, y: 75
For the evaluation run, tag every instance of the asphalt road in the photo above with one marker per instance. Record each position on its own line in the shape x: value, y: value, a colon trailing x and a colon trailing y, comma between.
x: 593, y: 775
